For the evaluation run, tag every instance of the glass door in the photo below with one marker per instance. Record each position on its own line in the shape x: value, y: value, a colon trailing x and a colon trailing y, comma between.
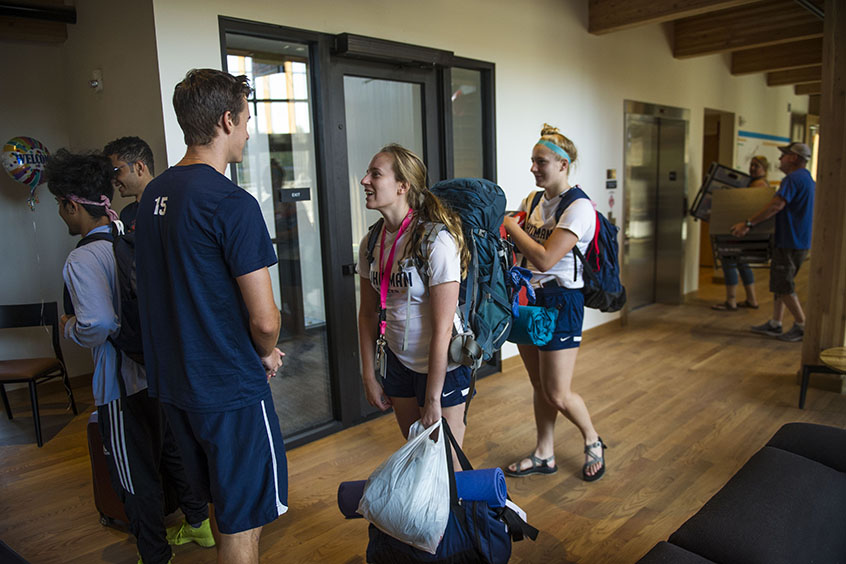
x: 279, y: 170
x: 384, y: 105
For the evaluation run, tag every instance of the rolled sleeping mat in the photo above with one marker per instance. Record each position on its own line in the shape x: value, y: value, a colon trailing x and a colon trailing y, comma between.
x: 473, y: 485
x: 533, y: 326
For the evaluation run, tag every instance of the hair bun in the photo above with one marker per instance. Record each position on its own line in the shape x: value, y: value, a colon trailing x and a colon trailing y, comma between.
x: 549, y: 130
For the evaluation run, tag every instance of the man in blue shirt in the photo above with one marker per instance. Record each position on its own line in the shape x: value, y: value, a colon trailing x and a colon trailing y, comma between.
x: 208, y: 317
x: 793, y: 208
x: 130, y: 421
x: 132, y: 160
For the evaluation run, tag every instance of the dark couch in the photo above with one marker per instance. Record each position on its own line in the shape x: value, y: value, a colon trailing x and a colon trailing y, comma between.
x: 786, y: 505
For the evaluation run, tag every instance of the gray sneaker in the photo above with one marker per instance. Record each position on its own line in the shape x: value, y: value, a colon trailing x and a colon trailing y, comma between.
x: 768, y: 328
x: 794, y: 335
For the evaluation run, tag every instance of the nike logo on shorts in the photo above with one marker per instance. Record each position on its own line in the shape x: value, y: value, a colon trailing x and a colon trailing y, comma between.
x: 564, y: 339
x: 447, y: 394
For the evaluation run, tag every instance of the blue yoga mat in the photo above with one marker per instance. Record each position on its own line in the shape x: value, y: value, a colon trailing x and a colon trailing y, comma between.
x: 533, y: 326
x: 473, y: 485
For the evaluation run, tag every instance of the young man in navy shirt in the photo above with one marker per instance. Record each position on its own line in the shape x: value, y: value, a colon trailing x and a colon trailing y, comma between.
x: 209, y: 320
x: 132, y: 162
x: 793, y: 208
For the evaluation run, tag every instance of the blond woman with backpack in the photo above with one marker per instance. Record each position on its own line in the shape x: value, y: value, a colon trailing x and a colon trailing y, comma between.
x: 545, y: 242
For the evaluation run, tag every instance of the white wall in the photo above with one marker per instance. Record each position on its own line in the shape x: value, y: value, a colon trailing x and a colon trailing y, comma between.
x: 33, y: 244
x: 117, y: 38
x: 548, y: 69
x: 45, y: 95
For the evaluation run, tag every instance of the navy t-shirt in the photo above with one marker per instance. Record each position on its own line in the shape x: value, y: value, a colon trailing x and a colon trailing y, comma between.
x: 196, y: 231
x: 793, y: 222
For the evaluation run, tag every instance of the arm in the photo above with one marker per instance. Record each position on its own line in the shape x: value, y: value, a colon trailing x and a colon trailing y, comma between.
x: 265, y: 320
x: 368, y: 320
x: 92, y: 298
x: 776, y: 205
x: 443, y: 299
x: 543, y: 256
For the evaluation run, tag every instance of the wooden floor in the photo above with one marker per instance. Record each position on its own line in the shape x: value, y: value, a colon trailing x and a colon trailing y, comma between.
x: 684, y: 396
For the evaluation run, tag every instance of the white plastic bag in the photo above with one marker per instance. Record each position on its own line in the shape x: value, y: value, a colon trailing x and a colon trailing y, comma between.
x: 407, y: 496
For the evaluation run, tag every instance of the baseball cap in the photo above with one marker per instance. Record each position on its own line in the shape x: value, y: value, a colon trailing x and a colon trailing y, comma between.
x: 797, y: 149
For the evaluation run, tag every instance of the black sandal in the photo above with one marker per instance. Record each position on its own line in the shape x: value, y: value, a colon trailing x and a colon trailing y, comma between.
x: 725, y: 306
x: 747, y: 304
x: 539, y: 466
x: 601, y: 459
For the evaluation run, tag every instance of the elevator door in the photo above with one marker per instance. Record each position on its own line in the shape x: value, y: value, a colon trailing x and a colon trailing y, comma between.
x: 655, y: 194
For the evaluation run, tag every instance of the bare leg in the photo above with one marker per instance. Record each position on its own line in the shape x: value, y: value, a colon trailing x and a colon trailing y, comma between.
x: 751, y: 297
x: 556, y: 369
x: 239, y: 548
x: 407, y: 412
x: 455, y: 417
x: 545, y: 413
x: 778, y: 308
x: 731, y: 295
x: 792, y: 303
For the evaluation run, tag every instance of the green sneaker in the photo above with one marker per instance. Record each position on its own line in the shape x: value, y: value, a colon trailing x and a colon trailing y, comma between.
x: 185, y: 533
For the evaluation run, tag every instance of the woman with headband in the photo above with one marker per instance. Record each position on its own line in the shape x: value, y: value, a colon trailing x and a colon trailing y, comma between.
x: 545, y: 244
x: 405, y: 323
x: 731, y: 267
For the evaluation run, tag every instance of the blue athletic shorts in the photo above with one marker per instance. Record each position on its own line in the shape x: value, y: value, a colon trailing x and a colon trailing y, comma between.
x: 571, y: 315
x: 237, y: 458
x: 402, y: 382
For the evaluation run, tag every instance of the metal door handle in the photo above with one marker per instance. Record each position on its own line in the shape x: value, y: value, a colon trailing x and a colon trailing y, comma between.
x: 348, y: 269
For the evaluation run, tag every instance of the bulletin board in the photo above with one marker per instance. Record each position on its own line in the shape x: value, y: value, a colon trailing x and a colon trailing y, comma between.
x: 750, y: 143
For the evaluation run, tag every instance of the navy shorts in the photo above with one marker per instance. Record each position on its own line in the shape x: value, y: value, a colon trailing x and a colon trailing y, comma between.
x: 571, y: 315
x: 238, y: 458
x: 402, y: 382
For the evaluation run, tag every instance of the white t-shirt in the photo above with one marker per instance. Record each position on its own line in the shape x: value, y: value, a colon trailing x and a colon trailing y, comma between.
x: 579, y: 218
x: 444, y: 265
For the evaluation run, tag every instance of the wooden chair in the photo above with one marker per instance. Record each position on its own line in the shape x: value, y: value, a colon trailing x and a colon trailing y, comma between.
x: 33, y: 371
x: 833, y: 362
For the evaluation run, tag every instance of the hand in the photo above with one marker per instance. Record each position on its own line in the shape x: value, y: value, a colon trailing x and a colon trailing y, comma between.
x: 511, y: 224
x: 272, y: 363
x: 375, y: 394
x: 62, y: 322
x: 739, y: 229
x: 431, y: 413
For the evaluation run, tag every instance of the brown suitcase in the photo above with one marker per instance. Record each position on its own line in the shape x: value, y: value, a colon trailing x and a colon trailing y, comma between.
x: 106, y: 500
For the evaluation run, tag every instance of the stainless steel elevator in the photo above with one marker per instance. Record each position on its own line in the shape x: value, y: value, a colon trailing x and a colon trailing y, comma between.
x: 655, y: 195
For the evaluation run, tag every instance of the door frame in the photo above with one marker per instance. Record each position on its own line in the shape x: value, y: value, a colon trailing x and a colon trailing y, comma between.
x: 329, y: 54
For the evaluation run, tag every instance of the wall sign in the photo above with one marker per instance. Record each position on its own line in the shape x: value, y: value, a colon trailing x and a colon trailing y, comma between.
x: 287, y: 195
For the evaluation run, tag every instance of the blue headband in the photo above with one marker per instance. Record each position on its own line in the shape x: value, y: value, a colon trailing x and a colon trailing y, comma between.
x: 555, y: 149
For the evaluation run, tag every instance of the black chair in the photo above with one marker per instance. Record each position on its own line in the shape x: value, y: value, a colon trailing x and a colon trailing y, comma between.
x: 33, y: 371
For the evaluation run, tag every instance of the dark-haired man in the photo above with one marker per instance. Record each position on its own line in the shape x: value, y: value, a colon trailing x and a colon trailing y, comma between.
x: 793, y: 208
x: 209, y: 320
x: 132, y: 160
x: 130, y: 421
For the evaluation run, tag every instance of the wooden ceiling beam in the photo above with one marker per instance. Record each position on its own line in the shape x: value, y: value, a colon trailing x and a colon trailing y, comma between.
x: 24, y: 29
x: 811, y: 88
x: 605, y: 16
x: 795, y: 76
x: 754, y: 25
x: 777, y: 57
x: 35, y: 27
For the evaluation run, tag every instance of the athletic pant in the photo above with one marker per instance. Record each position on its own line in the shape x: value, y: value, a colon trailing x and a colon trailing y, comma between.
x: 139, y: 445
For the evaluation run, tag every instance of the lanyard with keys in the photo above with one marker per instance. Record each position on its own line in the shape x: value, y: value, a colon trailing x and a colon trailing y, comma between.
x: 384, y: 281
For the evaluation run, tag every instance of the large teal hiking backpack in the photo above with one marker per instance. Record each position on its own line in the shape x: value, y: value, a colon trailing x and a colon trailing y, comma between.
x: 484, y: 303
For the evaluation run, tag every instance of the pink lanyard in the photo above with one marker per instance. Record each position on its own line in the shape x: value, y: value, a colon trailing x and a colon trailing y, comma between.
x: 385, y: 277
